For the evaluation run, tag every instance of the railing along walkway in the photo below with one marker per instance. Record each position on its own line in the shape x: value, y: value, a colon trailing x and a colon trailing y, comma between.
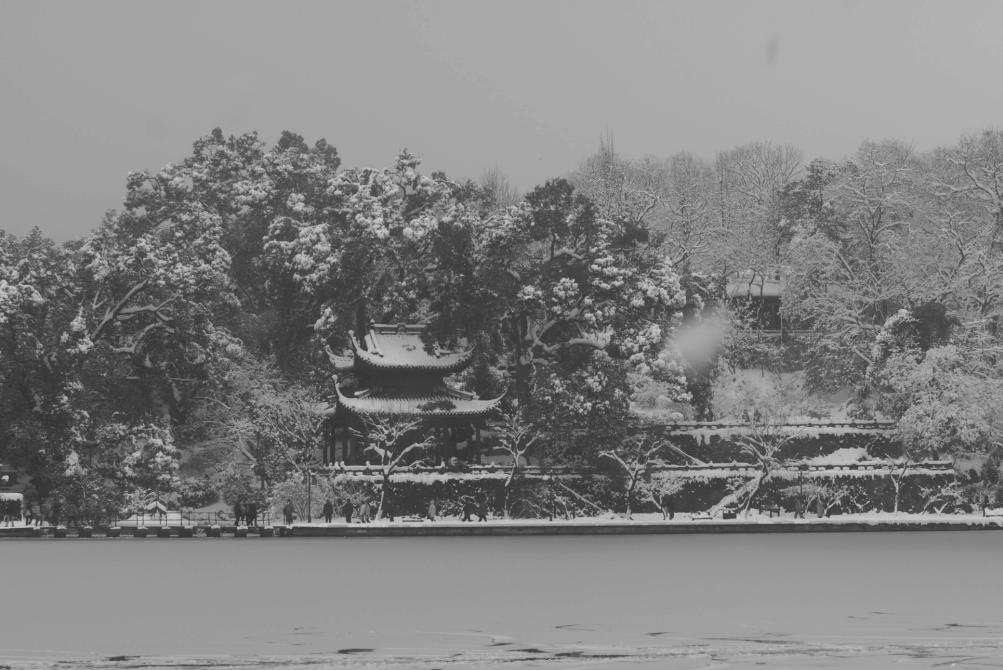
x: 538, y: 471
x: 684, y: 426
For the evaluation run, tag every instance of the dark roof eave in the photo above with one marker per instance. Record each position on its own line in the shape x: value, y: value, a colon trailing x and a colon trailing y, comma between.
x: 440, y: 367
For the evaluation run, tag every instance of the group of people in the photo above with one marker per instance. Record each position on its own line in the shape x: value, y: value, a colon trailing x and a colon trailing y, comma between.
x: 10, y: 512
x: 471, y: 505
x: 478, y: 505
x: 245, y: 514
x: 363, y: 513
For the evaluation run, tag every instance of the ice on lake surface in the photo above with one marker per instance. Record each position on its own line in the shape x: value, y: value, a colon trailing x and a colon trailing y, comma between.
x: 840, y: 600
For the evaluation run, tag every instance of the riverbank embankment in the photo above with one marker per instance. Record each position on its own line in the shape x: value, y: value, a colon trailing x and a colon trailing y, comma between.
x: 646, y: 524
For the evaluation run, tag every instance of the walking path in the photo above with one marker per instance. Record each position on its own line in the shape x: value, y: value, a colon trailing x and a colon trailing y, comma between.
x: 604, y: 525
x: 654, y: 524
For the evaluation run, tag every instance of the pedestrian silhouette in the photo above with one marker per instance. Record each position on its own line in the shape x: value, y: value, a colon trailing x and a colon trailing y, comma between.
x: 482, y: 507
x: 668, y: 507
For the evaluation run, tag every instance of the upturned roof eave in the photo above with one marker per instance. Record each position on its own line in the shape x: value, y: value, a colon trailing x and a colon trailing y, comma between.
x: 371, y: 406
x: 447, y: 364
x: 381, y: 353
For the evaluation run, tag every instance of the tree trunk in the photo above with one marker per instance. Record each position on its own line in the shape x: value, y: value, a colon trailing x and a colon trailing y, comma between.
x: 508, y: 488
x: 630, y: 492
x: 756, y: 483
x: 383, y: 494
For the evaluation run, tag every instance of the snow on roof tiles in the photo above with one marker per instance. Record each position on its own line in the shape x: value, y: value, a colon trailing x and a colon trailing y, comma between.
x: 401, y: 347
x: 444, y: 404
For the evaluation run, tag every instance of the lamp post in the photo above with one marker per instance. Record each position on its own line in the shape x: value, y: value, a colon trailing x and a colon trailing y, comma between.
x: 802, y: 468
x: 309, y: 496
x: 550, y: 495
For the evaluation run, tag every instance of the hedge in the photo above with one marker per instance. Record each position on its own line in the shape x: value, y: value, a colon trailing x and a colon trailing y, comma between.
x: 722, y: 445
x: 590, y: 495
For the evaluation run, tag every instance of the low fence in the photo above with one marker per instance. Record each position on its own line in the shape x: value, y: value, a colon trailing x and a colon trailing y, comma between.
x: 538, y: 472
x: 689, y: 426
x: 184, y: 518
x: 222, y: 518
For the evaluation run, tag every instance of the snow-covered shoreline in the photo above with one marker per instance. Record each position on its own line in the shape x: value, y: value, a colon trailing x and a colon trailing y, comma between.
x: 611, y: 524
x: 754, y: 516
x: 653, y: 523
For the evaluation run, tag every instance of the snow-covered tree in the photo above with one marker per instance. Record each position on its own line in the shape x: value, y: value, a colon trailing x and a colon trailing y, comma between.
x: 44, y: 351
x: 364, y: 259
x: 632, y: 459
x: 254, y: 415
x: 144, y: 454
x: 154, y: 280
x: 854, y: 265
x: 751, y: 180
x: 945, y: 402
x: 763, y: 445
x: 392, y: 440
x: 517, y: 436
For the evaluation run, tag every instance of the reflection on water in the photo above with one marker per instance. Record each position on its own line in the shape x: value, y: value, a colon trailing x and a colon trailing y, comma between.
x: 694, y: 601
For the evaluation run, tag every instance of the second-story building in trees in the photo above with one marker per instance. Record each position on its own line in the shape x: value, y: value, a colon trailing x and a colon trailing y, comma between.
x: 769, y: 339
x: 399, y: 376
x: 756, y: 295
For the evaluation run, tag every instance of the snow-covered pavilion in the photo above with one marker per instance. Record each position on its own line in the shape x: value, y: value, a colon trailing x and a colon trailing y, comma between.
x: 760, y: 293
x: 401, y: 375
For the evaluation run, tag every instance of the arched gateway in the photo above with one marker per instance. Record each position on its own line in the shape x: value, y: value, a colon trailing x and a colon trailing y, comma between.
x: 401, y: 377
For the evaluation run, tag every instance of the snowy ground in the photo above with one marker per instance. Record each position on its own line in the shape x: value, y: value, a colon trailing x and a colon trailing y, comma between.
x: 994, y: 517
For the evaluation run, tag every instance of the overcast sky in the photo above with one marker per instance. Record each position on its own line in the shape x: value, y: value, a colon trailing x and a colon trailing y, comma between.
x: 92, y: 90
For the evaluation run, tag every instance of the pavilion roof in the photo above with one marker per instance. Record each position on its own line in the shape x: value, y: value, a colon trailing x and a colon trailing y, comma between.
x: 443, y: 402
x: 400, y: 347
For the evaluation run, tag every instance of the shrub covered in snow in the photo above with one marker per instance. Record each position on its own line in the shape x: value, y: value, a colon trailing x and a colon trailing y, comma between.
x: 714, y: 443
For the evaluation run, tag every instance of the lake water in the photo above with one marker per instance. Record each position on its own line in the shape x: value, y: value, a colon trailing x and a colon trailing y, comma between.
x: 840, y: 600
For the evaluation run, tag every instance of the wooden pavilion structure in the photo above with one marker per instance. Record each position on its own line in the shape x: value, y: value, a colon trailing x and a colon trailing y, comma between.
x: 401, y: 375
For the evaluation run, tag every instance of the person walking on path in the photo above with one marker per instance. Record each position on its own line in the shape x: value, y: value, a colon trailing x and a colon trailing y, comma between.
x: 364, y: 511
x: 668, y: 507
x: 346, y: 511
x: 328, y: 510
x: 287, y: 511
x: 238, y: 513
x: 252, y: 514
x: 482, y: 507
x: 468, y: 507
x: 432, y: 509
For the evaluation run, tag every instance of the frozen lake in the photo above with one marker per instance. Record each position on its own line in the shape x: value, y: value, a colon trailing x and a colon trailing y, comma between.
x: 908, y: 599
